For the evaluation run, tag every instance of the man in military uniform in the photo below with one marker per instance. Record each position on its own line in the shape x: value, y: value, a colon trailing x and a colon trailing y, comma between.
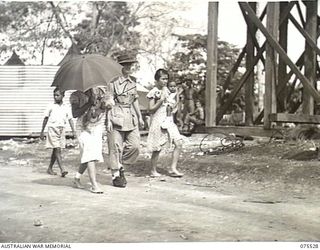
x: 123, y: 122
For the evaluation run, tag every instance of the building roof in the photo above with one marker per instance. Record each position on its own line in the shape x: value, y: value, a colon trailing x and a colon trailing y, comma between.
x: 14, y: 60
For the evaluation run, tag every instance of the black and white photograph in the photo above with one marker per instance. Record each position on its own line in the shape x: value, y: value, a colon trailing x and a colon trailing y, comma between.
x: 176, y: 123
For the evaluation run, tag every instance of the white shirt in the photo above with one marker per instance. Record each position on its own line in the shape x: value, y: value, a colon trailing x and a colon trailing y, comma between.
x: 58, y: 114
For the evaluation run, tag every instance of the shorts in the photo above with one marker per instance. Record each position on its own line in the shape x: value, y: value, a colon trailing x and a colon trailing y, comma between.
x: 56, y: 137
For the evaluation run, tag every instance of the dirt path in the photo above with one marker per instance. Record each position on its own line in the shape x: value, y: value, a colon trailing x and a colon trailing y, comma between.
x: 252, y: 194
x: 148, y: 210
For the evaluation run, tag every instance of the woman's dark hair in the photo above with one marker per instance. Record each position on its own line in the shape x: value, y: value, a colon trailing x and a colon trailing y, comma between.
x: 159, y: 73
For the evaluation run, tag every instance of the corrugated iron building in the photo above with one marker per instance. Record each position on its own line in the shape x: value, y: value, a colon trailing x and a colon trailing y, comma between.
x: 24, y: 94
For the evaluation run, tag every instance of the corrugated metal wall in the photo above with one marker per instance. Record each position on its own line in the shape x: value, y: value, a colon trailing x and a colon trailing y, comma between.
x: 24, y: 94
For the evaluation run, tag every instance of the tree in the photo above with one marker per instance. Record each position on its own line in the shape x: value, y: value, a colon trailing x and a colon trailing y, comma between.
x: 95, y: 27
x: 189, y: 63
x: 31, y: 27
x: 107, y: 29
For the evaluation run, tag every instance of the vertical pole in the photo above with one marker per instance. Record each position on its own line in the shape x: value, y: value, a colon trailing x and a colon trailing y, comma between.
x: 271, y: 64
x: 211, y: 78
x: 310, y: 55
x: 282, y: 69
x: 249, y: 84
x: 260, y: 67
x: 94, y: 18
x: 94, y: 21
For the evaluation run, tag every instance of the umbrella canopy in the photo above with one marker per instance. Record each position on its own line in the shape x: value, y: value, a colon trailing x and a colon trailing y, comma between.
x: 86, y: 71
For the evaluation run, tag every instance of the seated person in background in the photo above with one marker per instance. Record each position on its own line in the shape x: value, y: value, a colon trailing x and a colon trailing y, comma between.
x: 194, y: 118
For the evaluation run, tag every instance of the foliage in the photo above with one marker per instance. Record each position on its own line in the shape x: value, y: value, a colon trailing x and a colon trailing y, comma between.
x: 189, y: 62
x: 159, y: 20
x: 31, y: 27
x: 108, y: 30
x: 95, y: 27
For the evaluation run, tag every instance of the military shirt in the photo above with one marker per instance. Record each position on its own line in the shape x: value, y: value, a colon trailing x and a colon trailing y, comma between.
x: 123, y: 114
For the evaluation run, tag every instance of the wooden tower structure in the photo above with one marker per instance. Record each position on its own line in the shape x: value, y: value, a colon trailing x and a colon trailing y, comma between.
x: 278, y: 66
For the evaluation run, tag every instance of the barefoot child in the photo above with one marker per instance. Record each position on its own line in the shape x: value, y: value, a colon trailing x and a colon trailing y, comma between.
x: 56, y: 116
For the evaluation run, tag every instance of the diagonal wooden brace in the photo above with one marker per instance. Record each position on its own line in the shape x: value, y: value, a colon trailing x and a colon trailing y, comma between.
x: 275, y: 45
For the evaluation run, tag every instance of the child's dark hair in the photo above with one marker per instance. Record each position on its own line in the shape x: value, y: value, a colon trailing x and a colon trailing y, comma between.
x: 58, y: 89
x: 198, y: 101
x: 171, y: 82
x: 159, y: 73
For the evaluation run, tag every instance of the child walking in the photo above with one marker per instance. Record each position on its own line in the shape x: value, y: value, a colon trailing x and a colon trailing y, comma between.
x: 158, y: 137
x: 56, y: 116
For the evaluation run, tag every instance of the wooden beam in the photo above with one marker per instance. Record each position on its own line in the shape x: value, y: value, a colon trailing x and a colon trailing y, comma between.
x: 311, y: 51
x: 244, y: 77
x: 282, y: 67
x: 299, y: 64
x: 300, y: 14
x: 249, y: 85
x: 270, y: 101
x: 241, y: 56
x: 252, y: 29
x: 239, y: 85
x: 309, y: 38
x: 292, y: 87
x: 211, y: 82
x: 306, y: 83
x: 294, y: 118
x: 234, y: 69
x: 237, y: 130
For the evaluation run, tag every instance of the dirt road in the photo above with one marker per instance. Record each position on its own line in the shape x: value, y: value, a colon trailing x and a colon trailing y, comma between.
x: 36, y: 207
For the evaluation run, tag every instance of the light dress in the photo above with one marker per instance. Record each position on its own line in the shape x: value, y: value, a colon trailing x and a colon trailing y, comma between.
x: 158, y: 138
x: 89, y: 133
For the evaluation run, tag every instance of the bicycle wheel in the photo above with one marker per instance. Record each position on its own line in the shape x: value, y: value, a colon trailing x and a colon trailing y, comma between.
x: 212, y: 142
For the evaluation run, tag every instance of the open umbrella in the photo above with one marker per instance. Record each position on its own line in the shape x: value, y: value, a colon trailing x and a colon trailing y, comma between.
x: 86, y: 71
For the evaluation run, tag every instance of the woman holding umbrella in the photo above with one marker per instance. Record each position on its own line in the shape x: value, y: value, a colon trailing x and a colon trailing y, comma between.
x: 89, y: 107
x: 86, y: 74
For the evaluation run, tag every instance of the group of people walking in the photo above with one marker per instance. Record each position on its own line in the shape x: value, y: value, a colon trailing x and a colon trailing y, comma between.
x: 114, y: 108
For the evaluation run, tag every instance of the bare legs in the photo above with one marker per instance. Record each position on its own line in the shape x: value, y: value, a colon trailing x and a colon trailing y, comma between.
x: 56, y: 156
x: 92, y: 176
x: 174, y: 161
x: 154, y: 160
x: 175, y: 157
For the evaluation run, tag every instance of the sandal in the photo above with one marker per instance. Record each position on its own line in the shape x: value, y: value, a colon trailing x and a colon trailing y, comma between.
x: 51, y: 172
x: 96, y: 190
x: 64, y: 173
x: 77, y: 183
x: 155, y: 175
x: 175, y: 174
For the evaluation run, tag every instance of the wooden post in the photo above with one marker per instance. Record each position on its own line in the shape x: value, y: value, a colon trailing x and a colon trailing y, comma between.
x: 282, y: 69
x: 211, y: 78
x: 249, y: 85
x: 252, y: 16
x: 270, y: 102
x: 310, y: 58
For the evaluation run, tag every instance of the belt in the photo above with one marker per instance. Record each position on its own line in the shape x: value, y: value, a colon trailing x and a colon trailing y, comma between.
x: 124, y: 105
